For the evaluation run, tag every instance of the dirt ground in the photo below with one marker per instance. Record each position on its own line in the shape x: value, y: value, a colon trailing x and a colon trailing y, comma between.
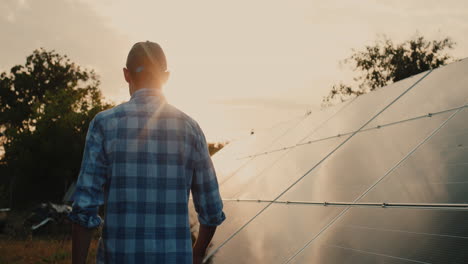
x: 51, y: 244
x: 40, y: 250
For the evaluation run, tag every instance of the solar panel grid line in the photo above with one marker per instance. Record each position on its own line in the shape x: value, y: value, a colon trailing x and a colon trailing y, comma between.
x: 377, y: 254
x: 301, y: 117
x: 457, y: 163
x: 404, y: 231
x: 359, y: 131
x: 450, y: 182
x: 253, y: 173
x: 255, y: 141
x: 313, y: 130
x: 261, y: 172
x: 366, y: 204
x: 268, y: 145
x: 346, y: 104
x: 323, y: 229
x: 317, y: 164
x: 383, y: 237
x: 326, y: 157
x: 377, y: 182
x: 296, y: 145
x: 428, y: 165
x: 328, y: 199
x: 342, y: 108
x: 409, y: 154
x: 262, y: 130
x: 433, y: 169
x: 278, y: 158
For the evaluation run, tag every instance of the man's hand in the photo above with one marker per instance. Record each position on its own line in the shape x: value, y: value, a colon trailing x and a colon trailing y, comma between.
x: 205, y: 235
x: 81, y: 238
x: 197, y: 259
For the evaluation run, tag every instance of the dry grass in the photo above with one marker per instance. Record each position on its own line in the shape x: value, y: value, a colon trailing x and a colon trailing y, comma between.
x: 39, y: 251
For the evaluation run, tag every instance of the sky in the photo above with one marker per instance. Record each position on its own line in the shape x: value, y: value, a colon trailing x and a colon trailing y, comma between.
x: 235, y: 65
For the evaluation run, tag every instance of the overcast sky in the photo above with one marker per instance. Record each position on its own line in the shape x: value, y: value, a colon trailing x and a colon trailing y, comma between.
x: 235, y: 65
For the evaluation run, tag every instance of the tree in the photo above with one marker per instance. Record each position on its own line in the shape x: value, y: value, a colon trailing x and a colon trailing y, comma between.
x: 45, y: 109
x: 386, y: 62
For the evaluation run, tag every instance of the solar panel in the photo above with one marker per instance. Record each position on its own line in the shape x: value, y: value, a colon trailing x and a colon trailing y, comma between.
x: 392, y: 235
x: 259, y: 141
x: 434, y: 173
x: 354, y: 167
x: 381, y: 178
x: 236, y: 215
x: 276, y: 234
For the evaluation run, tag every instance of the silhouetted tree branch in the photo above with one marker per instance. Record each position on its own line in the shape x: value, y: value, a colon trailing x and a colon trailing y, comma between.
x: 385, y: 62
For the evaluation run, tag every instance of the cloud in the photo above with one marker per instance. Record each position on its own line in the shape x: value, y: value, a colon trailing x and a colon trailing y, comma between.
x: 69, y: 27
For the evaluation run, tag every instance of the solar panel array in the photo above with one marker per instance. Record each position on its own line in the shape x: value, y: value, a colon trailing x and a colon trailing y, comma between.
x: 382, y: 178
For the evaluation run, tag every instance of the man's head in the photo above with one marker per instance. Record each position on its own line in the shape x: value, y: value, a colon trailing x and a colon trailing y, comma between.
x: 146, y: 66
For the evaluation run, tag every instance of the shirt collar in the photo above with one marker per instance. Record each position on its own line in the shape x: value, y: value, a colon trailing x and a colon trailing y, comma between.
x: 143, y: 92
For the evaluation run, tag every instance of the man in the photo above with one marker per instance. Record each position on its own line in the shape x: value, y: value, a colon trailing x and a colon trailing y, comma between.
x: 141, y: 160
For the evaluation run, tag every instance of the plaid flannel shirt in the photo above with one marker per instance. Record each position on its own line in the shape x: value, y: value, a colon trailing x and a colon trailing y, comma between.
x: 141, y: 160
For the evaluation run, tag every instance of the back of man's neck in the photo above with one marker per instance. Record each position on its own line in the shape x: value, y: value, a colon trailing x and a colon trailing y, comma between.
x: 145, y: 87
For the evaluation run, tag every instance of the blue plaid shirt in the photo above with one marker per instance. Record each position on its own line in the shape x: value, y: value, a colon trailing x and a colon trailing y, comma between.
x: 141, y: 160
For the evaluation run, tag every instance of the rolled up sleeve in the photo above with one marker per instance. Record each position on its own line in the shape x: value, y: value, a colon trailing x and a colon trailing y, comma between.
x: 89, y: 193
x: 205, y: 190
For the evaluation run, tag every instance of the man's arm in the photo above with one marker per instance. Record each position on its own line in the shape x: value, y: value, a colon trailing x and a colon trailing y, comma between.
x: 89, y: 193
x: 205, y: 234
x: 206, y: 199
x: 81, y: 238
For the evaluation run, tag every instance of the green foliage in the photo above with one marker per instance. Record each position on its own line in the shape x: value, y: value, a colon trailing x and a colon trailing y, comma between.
x: 45, y: 109
x: 385, y: 62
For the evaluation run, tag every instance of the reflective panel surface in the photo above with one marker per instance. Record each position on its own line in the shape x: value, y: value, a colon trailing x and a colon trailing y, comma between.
x: 366, y: 157
x: 237, y: 214
x: 274, y: 235
x: 444, y: 88
x: 284, y: 171
x: 388, y: 161
x: 314, y: 121
x: 274, y: 172
x: 235, y: 155
x: 394, y: 235
x: 435, y: 173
